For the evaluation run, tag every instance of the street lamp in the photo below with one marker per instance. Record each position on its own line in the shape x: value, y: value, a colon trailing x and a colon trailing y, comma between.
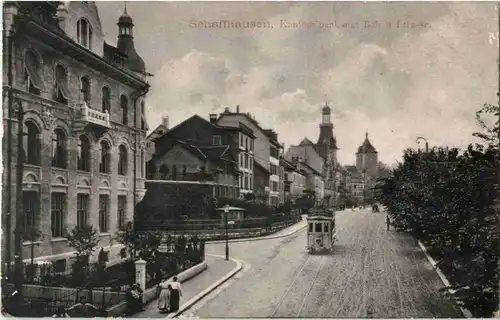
x: 426, y: 143
x: 226, y: 214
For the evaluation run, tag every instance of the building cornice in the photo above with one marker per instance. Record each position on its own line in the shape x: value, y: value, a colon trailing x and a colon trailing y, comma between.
x: 67, y: 46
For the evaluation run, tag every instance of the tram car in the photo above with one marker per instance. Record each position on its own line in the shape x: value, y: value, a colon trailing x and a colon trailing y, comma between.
x: 321, y: 231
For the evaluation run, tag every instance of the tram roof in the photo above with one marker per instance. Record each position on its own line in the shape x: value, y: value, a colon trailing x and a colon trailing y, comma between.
x: 321, y: 217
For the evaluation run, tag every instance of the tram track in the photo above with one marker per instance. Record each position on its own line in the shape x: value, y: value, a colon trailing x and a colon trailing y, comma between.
x: 346, y: 283
x: 287, y: 306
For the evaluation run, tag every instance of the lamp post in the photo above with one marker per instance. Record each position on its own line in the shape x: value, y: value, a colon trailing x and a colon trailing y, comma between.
x: 426, y: 143
x: 226, y: 214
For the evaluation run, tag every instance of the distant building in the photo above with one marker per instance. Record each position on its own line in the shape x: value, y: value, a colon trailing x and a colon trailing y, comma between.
x: 356, y: 183
x: 197, y: 145
x: 266, y: 152
x: 156, y: 133
x: 295, y: 180
x: 84, y: 126
x: 306, y: 157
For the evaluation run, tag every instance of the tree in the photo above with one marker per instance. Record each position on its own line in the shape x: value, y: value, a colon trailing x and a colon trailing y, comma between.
x: 307, y: 200
x: 84, y: 240
x: 127, y: 238
x: 32, y: 234
x: 444, y: 198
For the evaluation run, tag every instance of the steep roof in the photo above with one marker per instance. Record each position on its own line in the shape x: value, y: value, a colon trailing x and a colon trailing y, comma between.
x: 305, y: 142
x: 210, y: 153
x: 366, y: 147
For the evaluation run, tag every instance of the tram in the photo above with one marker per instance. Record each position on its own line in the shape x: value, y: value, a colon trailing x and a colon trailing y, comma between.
x: 321, y: 231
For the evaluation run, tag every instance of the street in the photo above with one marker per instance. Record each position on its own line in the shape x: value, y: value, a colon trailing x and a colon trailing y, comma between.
x: 372, y: 273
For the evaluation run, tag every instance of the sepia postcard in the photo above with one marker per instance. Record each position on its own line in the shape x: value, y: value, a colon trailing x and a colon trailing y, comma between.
x: 250, y: 159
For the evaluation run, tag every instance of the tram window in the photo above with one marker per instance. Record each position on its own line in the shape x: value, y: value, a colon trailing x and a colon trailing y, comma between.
x: 325, y: 227
x: 318, y: 227
x: 310, y: 227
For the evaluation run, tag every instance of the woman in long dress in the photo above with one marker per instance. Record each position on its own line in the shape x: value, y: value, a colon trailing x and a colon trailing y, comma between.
x: 164, y: 299
x: 175, y: 295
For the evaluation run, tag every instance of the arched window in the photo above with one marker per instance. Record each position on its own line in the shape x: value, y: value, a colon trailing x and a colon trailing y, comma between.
x: 84, y: 33
x: 106, y: 99
x: 31, y: 143
x: 33, y: 81
x: 122, y: 160
x: 84, y: 154
x: 85, y: 89
x: 104, y: 166
x: 61, y: 91
x: 59, y: 150
x: 124, y: 107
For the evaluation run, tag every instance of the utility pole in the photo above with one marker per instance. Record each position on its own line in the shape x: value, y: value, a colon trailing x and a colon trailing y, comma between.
x: 498, y: 189
x: 9, y: 12
x: 18, y: 256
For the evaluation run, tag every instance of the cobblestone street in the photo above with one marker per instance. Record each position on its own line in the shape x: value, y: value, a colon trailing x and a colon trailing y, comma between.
x: 372, y: 273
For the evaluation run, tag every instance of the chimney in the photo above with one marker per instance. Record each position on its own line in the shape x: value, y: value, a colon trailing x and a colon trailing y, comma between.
x: 213, y: 118
x: 165, y: 121
x: 237, y: 109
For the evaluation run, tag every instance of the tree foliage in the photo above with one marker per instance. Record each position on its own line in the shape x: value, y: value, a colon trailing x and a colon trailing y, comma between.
x: 84, y: 240
x: 307, y: 200
x: 446, y: 198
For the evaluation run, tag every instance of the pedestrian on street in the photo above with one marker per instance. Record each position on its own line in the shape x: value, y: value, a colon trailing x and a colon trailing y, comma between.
x: 388, y: 222
x: 175, y: 295
x: 164, y: 298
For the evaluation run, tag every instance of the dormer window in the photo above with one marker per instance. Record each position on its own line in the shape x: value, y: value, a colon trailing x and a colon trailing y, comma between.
x: 84, y: 33
x: 85, y: 89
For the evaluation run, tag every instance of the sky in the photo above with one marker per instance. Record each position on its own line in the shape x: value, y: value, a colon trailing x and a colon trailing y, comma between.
x: 377, y: 74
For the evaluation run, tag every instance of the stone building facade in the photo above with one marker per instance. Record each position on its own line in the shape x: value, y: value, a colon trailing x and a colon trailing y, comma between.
x: 82, y: 107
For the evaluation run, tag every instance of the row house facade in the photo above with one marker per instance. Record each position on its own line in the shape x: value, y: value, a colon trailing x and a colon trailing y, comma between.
x: 295, y: 180
x: 74, y: 109
x: 198, y: 146
x: 266, y: 154
x: 276, y: 169
x: 306, y: 157
x: 356, y: 183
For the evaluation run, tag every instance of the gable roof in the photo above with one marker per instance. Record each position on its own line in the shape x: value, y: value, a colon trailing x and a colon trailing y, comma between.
x: 210, y: 153
x: 161, y: 129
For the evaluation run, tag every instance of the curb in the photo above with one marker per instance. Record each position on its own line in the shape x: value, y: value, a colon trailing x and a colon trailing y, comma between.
x: 205, y: 292
x: 445, y: 281
x: 266, y: 237
x: 258, y: 238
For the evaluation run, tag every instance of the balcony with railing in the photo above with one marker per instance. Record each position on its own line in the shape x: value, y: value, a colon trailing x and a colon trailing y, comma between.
x: 93, y: 117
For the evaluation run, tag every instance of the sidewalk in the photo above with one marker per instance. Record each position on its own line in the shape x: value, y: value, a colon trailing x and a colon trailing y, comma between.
x: 217, y: 268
